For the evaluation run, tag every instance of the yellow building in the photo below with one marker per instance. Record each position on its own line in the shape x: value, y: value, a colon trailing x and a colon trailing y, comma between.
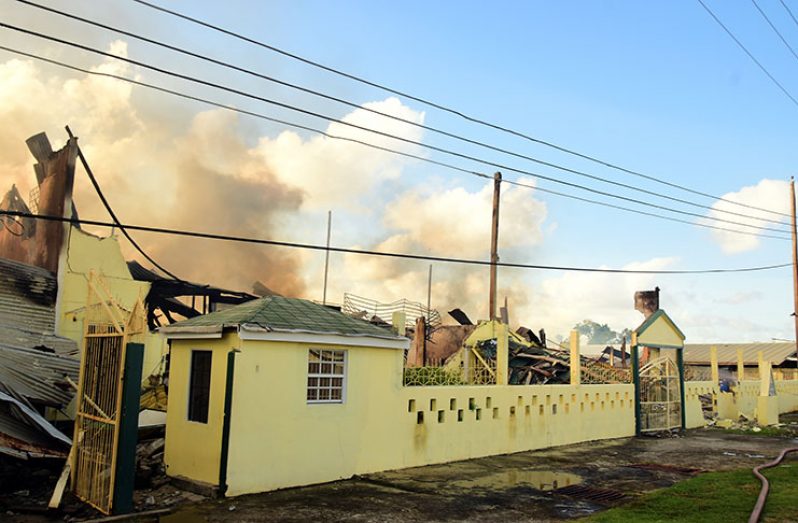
x: 283, y: 392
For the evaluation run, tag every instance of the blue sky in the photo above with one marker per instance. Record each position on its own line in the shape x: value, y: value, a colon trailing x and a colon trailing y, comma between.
x: 654, y: 87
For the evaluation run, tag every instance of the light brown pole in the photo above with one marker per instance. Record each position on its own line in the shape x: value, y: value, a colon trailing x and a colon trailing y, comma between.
x: 327, y: 258
x: 494, y: 245
x: 794, y: 265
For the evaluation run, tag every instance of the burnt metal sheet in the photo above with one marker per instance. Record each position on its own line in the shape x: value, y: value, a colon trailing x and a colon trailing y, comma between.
x: 24, y: 432
x: 38, y: 376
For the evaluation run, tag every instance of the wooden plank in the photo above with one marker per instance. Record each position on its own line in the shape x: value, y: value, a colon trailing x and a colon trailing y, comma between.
x: 60, y: 485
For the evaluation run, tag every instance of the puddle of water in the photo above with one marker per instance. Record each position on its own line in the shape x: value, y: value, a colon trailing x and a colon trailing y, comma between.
x: 538, y: 479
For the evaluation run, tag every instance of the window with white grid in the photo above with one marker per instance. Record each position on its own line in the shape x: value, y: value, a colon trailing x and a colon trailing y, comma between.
x: 326, y: 376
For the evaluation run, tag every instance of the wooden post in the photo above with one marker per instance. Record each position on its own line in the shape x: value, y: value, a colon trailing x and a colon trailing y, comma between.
x: 502, y: 354
x: 494, y: 245
x: 429, y: 292
x: 794, y: 265
x: 713, y: 361
x: 327, y: 258
x: 623, y: 352
x: 740, y: 365
x: 576, y: 363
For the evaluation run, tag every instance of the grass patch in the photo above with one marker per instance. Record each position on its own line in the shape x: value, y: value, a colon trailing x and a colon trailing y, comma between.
x: 714, y: 496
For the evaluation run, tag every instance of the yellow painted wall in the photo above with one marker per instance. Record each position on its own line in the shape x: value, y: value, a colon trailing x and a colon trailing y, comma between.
x: 279, y: 440
x: 660, y: 333
x: 694, y: 415
x: 102, y: 255
x: 192, y: 448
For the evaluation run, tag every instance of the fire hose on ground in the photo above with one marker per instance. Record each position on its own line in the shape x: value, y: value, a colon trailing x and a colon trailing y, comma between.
x: 763, y: 493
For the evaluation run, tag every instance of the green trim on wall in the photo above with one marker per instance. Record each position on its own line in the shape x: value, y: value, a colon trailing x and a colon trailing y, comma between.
x: 228, y: 410
x: 653, y: 318
x: 128, y: 429
x: 636, y: 379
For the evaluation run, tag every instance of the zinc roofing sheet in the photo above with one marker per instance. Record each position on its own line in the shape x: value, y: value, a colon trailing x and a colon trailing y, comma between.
x: 775, y: 352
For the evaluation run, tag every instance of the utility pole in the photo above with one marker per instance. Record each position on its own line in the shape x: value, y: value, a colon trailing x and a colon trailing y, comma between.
x: 429, y: 291
x: 794, y: 265
x: 327, y: 258
x: 494, y: 245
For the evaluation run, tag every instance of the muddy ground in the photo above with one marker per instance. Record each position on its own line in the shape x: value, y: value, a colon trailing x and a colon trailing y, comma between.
x: 547, y: 485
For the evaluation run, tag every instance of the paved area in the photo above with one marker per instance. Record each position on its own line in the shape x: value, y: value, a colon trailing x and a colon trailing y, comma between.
x: 553, y: 484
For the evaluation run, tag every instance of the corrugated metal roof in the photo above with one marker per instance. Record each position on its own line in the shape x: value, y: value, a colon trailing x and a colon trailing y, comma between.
x: 276, y: 313
x: 24, y: 431
x: 38, y: 376
x: 775, y: 352
x: 27, y: 297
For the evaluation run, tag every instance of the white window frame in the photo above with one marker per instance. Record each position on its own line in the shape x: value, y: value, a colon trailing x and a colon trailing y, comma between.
x: 320, y: 375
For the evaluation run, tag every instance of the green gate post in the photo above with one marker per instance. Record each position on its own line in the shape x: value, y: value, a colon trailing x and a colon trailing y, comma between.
x: 636, y: 378
x: 128, y: 430
x: 680, y: 365
x: 228, y: 410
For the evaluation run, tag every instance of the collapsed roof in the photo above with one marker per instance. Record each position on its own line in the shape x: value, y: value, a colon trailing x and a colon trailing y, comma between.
x: 164, y: 293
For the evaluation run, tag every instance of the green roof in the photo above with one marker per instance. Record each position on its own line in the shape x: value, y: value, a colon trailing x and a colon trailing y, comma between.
x: 275, y: 313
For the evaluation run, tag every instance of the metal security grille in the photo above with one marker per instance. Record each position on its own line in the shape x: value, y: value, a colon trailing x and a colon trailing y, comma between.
x: 107, y: 328
x: 660, y: 396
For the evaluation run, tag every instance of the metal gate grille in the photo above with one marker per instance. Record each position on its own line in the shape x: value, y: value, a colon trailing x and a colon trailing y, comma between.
x: 660, y: 396
x: 107, y: 328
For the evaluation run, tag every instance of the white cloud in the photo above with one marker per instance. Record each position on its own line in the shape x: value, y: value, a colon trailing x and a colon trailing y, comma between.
x: 336, y: 172
x: 564, y: 301
x: 767, y: 194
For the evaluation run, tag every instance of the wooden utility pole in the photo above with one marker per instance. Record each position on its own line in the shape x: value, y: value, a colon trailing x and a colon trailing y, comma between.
x: 494, y: 245
x: 794, y: 265
x: 327, y: 258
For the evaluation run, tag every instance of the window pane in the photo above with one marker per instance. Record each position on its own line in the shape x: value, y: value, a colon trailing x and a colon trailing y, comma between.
x: 314, y: 368
x: 313, y: 355
x: 199, y: 386
x: 326, y: 368
x: 338, y: 368
x: 337, y: 382
x: 324, y: 382
x: 313, y: 382
x: 336, y: 394
x: 324, y: 394
x: 313, y: 394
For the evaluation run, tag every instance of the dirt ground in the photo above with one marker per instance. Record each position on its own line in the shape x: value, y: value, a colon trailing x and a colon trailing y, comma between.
x: 546, y: 485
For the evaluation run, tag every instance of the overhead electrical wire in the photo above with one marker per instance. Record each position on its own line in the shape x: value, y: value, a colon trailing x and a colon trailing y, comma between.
x: 442, y: 107
x: 366, y: 252
x: 400, y: 138
x: 389, y: 135
x: 746, y: 51
x: 387, y: 149
x: 775, y: 29
x: 111, y: 212
x: 789, y: 11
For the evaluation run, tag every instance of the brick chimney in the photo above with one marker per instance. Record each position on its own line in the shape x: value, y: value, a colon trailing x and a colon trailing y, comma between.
x: 647, y: 302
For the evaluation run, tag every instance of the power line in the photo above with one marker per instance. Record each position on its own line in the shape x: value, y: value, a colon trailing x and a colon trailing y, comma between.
x: 789, y: 11
x: 366, y: 252
x: 113, y: 214
x: 751, y: 56
x: 393, y: 151
x: 637, y: 211
x: 444, y: 108
x: 775, y: 29
x: 410, y: 141
x: 389, y: 135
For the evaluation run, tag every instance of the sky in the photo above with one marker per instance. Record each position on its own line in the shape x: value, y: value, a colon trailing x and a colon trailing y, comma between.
x: 655, y: 87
